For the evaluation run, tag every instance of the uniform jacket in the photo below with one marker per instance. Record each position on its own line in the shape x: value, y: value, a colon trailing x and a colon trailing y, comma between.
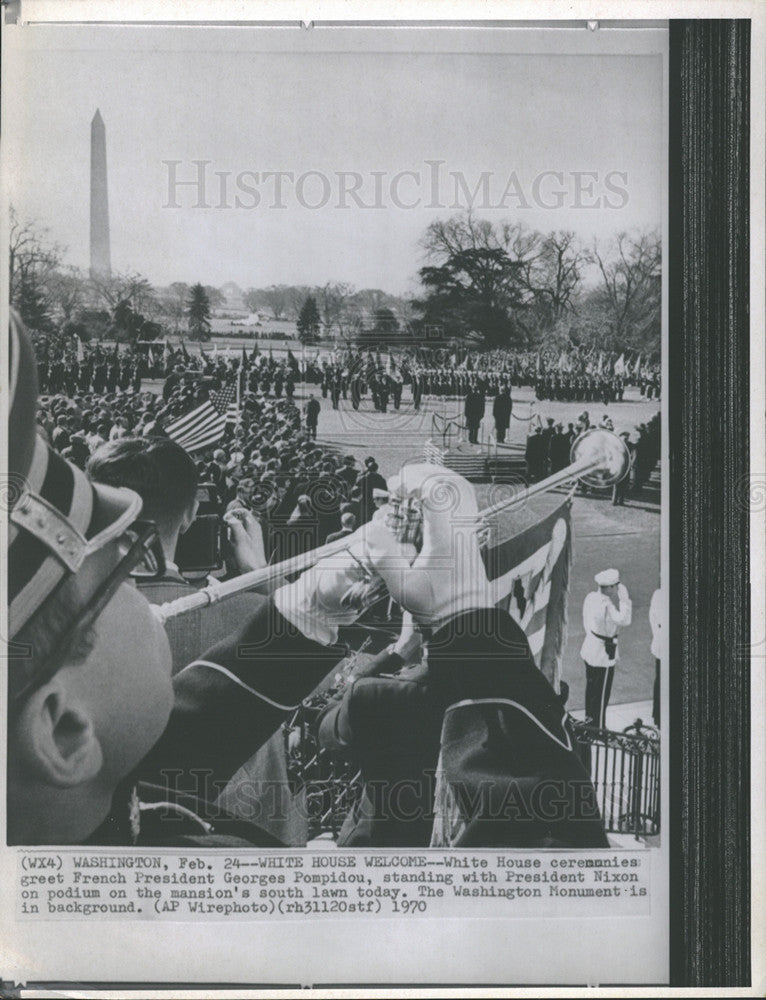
x: 601, y: 618
x: 232, y: 698
x: 479, y: 691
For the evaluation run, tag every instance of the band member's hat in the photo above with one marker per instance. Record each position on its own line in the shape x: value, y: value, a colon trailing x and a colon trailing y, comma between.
x: 607, y: 578
x: 57, y: 517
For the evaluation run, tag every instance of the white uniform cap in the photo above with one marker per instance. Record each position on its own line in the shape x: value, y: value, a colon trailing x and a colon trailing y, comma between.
x: 607, y: 577
x: 378, y: 494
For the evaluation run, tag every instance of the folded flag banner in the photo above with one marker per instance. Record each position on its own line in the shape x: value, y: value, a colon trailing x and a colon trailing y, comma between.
x: 530, y: 576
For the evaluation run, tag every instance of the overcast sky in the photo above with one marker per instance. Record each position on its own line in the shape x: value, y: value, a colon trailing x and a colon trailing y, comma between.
x: 556, y: 134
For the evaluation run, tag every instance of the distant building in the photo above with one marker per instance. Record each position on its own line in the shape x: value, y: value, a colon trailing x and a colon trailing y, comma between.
x: 235, y: 297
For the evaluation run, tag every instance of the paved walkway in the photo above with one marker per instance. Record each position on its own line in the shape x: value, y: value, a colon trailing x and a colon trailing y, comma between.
x: 619, y: 717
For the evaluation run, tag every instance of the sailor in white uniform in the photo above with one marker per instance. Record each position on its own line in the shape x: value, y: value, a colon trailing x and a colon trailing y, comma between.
x: 604, y: 612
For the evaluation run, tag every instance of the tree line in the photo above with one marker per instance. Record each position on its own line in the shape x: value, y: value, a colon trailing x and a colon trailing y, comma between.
x: 515, y: 287
x: 493, y: 284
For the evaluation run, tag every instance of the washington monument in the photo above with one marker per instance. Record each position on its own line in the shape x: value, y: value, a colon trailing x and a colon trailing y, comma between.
x: 100, y: 254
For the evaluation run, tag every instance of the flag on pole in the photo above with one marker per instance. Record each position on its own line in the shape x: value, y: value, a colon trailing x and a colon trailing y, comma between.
x: 80, y: 349
x: 244, y: 362
x: 619, y: 365
x: 184, y: 352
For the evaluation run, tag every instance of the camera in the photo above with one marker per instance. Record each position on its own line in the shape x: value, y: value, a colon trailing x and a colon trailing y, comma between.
x: 200, y: 547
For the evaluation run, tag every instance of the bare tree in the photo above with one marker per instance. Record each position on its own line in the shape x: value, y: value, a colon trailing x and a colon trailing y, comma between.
x: 129, y: 287
x: 630, y: 288
x: 296, y: 296
x: 173, y: 302
x: 332, y: 299
x: 276, y: 297
x: 215, y: 296
x: 68, y: 291
x: 553, y: 273
x: 31, y: 257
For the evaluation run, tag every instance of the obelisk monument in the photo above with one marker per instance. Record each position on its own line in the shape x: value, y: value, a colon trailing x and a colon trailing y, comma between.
x: 100, y: 254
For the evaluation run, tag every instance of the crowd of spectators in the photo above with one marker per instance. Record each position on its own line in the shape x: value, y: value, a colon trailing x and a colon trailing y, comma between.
x: 301, y: 492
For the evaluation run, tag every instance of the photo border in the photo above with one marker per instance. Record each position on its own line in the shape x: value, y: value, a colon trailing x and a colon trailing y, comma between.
x: 710, y: 507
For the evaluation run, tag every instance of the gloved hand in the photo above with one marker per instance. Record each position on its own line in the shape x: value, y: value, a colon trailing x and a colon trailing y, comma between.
x: 409, y: 645
x: 338, y: 588
x: 448, y: 573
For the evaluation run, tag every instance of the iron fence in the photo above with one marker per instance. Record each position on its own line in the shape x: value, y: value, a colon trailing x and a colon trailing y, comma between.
x: 625, y: 770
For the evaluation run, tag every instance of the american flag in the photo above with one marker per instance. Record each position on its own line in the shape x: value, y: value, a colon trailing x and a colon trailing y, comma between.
x: 204, y: 425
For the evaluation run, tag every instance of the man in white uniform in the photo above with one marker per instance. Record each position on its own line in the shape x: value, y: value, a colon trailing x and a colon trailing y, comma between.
x: 604, y: 612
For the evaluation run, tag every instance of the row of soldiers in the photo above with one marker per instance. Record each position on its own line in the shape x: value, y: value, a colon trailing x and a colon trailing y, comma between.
x: 456, y: 382
x: 267, y: 379
x: 271, y: 378
x: 97, y: 372
x: 385, y: 387
x: 582, y: 388
x: 649, y: 384
x: 549, y: 446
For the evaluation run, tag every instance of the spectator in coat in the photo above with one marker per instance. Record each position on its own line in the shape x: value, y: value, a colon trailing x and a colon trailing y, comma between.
x: 501, y: 411
x: 348, y: 526
x: 368, y: 481
x: 475, y: 404
x: 311, y: 410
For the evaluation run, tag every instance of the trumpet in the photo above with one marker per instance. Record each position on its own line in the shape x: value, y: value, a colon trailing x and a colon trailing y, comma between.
x: 598, y: 458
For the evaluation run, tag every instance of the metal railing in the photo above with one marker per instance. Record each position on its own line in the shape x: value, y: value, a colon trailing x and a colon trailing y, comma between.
x: 625, y: 770
x: 455, y: 429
